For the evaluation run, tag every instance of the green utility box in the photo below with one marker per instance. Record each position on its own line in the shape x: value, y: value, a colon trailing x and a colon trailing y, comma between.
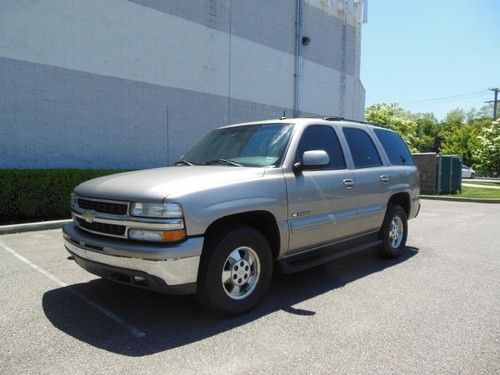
x: 449, y: 174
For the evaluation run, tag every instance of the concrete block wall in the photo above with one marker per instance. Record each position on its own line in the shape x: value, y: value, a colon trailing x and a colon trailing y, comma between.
x: 133, y: 84
x: 427, y: 164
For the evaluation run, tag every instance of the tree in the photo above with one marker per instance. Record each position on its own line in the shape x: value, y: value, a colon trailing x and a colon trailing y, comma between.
x: 427, y: 130
x: 460, y: 134
x: 472, y: 135
x: 486, y: 111
x: 488, y: 154
x: 396, y: 118
x: 464, y: 141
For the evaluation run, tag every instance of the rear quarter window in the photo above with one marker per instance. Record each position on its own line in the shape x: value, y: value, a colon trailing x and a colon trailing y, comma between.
x: 395, y: 147
x: 363, y: 151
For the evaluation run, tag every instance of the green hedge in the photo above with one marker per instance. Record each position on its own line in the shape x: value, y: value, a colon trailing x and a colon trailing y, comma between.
x: 40, y: 194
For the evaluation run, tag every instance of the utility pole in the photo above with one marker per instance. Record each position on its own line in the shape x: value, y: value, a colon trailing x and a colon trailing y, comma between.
x: 494, y: 101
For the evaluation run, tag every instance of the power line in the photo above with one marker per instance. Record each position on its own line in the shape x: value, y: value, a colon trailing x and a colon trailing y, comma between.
x: 447, y: 98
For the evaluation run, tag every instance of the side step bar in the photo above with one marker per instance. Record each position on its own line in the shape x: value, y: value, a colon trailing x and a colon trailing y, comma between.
x: 312, y: 258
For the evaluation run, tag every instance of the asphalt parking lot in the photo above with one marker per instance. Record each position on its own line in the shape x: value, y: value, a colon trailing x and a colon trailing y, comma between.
x: 435, y: 310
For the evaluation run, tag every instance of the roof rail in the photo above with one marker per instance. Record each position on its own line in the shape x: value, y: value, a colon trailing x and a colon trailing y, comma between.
x: 340, y: 118
x: 328, y: 118
x: 374, y: 124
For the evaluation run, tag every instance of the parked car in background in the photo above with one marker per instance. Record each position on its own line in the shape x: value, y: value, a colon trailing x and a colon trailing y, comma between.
x: 248, y: 197
x: 468, y: 172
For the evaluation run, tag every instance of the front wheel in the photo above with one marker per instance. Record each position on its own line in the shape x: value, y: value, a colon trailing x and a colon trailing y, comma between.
x: 235, y: 271
x: 394, y: 232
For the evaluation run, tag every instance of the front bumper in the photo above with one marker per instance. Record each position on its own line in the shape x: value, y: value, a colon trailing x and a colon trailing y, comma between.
x: 171, y: 269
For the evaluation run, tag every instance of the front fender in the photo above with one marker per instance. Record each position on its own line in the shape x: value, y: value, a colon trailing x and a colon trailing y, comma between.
x: 264, y: 194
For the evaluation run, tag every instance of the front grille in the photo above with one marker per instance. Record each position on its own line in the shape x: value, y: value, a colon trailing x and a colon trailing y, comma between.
x: 116, y: 230
x: 103, y: 207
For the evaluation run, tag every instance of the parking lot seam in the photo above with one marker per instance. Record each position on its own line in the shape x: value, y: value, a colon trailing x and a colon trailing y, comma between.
x: 111, y: 315
x: 453, y: 199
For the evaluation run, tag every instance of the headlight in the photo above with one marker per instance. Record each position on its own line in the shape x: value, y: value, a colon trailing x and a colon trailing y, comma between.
x: 173, y: 227
x: 162, y: 210
x: 73, y: 200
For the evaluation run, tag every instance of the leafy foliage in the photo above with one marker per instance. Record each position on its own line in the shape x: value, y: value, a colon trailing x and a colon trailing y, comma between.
x: 40, y: 194
x: 488, y: 154
x: 461, y: 136
x: 471, y: 135
x: 427, y: 131
x: 396, y: 118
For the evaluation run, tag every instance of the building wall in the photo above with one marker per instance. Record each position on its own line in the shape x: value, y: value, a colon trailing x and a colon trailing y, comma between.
x: 133, y: 84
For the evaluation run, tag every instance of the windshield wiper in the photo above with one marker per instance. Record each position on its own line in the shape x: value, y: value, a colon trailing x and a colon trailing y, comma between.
x: 224, y: 162
x: 184, y: 162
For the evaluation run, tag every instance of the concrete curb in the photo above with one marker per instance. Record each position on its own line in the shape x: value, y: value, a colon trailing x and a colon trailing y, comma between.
x: 453, y: 199
x: 30, y: 227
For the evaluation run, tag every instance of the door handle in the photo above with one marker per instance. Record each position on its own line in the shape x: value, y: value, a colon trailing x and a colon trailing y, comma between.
x: 348, y: 183
x: 384, y: 179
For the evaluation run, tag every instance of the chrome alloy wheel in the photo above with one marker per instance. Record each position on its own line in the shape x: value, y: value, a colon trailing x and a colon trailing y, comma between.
x: 396, y: 232
x: 241, y: 272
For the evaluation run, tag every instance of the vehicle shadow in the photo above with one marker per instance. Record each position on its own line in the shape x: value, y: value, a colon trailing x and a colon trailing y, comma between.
x: 173, y: 321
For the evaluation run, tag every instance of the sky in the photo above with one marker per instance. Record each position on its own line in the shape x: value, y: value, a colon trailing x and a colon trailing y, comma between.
x: 431, y: 55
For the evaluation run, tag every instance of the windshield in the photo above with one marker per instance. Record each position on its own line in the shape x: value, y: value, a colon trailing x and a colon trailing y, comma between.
x: 259, y: 145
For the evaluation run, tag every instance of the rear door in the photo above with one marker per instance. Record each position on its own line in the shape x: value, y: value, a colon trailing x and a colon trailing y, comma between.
x: 322, y: 208
x: 401, y: 170
x: 370, y: 179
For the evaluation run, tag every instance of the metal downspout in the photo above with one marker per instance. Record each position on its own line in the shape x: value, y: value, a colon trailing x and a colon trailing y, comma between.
x: 298, y: 56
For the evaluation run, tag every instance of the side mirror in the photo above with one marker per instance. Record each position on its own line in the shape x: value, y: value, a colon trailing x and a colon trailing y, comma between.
x: 311, y: 160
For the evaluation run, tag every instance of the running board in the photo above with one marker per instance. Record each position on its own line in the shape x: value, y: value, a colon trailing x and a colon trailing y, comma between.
x: 312, y: 258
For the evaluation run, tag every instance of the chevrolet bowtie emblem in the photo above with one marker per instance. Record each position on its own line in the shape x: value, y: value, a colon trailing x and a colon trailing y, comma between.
x: 88, y: 216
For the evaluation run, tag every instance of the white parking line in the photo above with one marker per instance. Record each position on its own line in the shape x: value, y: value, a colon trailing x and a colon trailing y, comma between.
x: 111, y: 315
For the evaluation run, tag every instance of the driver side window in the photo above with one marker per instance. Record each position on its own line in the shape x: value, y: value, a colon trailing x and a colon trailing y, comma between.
x: 322, y: 137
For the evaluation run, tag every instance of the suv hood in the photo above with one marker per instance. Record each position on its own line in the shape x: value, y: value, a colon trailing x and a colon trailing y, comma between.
x: 153, y: 185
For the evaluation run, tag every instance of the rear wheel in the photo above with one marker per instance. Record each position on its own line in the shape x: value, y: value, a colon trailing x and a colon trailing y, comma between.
x: 235, y: 271
x: 394, y: 232
x: 473, y: 175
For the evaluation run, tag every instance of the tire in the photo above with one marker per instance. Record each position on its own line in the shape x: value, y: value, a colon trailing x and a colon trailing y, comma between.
x: 395, y: 221
x: 246, y: 279
x: 472, y: 175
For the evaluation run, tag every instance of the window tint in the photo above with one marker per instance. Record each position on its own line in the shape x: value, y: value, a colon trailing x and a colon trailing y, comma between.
x: 249, y: 145
x: 363, y: 150
x: 319, y: 137
x: 395, y: 147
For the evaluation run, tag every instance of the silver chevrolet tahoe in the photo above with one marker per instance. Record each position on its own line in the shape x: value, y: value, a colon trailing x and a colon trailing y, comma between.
x: 290, y: 192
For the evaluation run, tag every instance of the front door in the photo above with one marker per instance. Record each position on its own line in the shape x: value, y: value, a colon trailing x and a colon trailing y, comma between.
x: 321, y: 202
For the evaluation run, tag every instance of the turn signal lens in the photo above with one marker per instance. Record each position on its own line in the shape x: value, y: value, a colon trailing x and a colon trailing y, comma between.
x: 157, y: 235
x: 173, y: 235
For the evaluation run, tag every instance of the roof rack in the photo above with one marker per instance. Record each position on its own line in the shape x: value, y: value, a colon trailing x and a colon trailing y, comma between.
x: 340, y: 118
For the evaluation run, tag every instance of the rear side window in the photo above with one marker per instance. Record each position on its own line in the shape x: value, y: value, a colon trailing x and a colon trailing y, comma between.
x: 364, y: 153
x: 321, y: 137
x: 395, y: 147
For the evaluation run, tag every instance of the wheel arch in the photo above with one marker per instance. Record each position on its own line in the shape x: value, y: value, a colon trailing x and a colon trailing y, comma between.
x: 403, y: 199
x: 261, y: 220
